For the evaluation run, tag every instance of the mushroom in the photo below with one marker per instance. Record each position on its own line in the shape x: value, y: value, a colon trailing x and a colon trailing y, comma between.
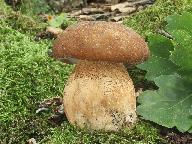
x: 99, y: 94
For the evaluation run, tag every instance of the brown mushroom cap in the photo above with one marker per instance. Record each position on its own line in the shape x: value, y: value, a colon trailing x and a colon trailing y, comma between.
x: 101, y: 41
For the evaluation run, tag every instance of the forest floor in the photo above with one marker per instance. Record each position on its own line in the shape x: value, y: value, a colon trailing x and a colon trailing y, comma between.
x: 31, y: 83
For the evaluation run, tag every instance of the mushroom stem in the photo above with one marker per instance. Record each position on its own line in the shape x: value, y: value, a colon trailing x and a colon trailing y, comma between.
x: 100, y: 95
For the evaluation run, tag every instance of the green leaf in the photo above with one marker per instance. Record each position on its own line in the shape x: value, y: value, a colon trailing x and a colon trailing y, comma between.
x: 190, y: 131
x: 179, y: 22
x: 180, y: 27
x: 169, y: 106
x: 186, y: 74
x: 58, y: 21
x: 182, y: 55
x: 159, y: 63
x: 160, y: 46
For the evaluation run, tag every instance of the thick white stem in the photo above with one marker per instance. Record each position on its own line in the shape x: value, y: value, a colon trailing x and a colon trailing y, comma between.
x: 100, y: 95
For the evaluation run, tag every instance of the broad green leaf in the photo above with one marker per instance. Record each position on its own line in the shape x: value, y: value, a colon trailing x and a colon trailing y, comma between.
x: 180, y: 27
x: 179, y: 22
x: 186, y: 74
x: 160, y: 46
x: 169, y: 106
x: 182, y: 55
x: 159, y: 63
x: 157, y: 66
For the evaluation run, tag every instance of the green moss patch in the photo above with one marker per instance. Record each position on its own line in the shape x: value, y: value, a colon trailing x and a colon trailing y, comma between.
x: 141, y: 133
x: 27, y: 76
x: 153, y: 18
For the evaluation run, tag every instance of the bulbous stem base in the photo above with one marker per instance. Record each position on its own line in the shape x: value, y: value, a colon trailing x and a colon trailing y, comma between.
x: 100, y: 96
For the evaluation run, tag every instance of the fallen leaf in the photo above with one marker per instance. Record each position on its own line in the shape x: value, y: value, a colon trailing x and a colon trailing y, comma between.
x: 54, y: 31
x: 92, y: 10
x: 117, y: 18
x: 121, y: 5
x: 86, y: 18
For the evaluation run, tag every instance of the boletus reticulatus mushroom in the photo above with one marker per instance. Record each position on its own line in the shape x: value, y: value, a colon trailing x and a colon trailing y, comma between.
x: 100, y: 94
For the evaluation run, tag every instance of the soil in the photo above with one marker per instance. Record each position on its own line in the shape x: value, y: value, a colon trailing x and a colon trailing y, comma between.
x: 175, y: 137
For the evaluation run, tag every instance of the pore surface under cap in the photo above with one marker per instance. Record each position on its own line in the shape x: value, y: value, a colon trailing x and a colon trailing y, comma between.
x: 101, y: 41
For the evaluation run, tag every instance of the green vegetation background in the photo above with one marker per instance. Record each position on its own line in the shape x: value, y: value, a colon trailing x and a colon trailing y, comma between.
x: 28, y: 76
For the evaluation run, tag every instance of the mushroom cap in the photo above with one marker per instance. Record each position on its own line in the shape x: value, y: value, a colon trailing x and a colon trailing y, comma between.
x: 101, y: 41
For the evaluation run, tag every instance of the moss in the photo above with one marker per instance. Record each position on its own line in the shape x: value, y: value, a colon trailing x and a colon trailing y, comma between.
x: 27, y: 76
x: 27, y: 21
x: 34, y: 7
x: 153, y: 18
x: 16, y: 20
x: 141, y: 133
